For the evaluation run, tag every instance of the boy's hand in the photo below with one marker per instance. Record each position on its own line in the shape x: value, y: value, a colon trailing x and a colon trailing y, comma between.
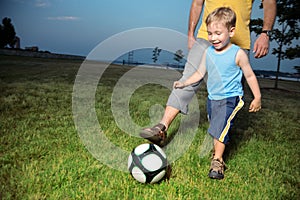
x: 255, y: 105
x: 178, y: 84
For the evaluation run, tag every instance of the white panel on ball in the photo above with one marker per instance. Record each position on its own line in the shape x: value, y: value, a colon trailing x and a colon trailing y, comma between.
x: 147, y: 163
x: 152, y: 162
x: 138, y: 175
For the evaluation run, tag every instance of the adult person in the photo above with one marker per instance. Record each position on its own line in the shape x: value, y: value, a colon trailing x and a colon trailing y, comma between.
x: 179, y: 99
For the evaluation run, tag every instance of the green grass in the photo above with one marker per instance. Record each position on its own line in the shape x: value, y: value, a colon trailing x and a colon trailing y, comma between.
x: 42, y: 156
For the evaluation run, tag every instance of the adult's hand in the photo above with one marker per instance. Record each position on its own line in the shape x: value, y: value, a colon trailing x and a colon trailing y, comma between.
x: 191, y: 41
x: 261, y: 46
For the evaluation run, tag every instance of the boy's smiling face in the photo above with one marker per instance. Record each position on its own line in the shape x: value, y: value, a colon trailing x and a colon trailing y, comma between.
x: 219, y: 35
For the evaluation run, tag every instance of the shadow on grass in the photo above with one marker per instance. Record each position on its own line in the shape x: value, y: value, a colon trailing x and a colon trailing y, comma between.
x: 190, y: 125
x: 238, y: 134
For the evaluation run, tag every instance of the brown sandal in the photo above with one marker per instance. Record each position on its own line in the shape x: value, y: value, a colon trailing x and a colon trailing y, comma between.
x: 156, y: 134
x: 217, y: 169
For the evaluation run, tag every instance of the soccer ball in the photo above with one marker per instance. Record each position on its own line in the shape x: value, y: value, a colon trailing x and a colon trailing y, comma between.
x: 147, y: 163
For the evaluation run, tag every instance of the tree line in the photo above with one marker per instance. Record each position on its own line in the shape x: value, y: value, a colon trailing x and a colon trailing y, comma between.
x: 286, y: 31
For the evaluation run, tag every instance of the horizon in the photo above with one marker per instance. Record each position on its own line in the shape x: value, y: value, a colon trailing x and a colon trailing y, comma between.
x: 77, y: 28
x: 166, y: 61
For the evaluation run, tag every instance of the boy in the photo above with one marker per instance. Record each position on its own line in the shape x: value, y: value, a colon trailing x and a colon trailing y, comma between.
x: 225, y: 64
x: 179, y: 100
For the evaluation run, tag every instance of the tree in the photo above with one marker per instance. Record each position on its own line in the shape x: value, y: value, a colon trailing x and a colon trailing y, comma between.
x: 285, y: 33
x: 178, y: 56
x: 297, y: 68
x: 7, y: 33
x: 156, y: 51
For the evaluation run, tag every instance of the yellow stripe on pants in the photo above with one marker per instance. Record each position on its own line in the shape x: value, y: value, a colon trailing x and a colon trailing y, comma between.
x: 226, y: 129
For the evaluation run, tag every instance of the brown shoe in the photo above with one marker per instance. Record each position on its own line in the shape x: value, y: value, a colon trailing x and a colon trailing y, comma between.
x: 156, y: 134
x: 217, y: 169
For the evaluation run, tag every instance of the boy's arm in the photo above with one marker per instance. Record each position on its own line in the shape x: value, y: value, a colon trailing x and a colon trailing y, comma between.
x: 194, y: 78
x: 243, y: 62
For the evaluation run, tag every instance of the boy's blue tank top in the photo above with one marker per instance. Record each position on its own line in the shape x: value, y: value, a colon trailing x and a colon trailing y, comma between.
x: 224, y: 75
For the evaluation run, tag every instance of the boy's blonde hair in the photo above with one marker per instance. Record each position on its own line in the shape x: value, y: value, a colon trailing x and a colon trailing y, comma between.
x: 224, y: 15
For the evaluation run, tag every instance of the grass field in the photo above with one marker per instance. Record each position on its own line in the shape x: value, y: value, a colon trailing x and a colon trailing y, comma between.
x: 42, y: 156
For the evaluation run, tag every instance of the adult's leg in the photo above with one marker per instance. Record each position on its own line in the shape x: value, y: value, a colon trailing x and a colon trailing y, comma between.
x: 169, y: 115
x: 179, y: 98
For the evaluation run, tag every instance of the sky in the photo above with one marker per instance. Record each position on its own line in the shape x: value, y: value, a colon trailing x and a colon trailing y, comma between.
x: 77, y: 26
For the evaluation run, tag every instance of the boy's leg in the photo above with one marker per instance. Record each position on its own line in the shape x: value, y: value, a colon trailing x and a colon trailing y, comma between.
x: 219, y: 149
x: 221, y: 115
x: 217, y: 166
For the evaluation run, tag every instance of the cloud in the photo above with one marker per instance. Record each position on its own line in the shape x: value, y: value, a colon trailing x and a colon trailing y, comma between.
x: 35, y: 3
x: 19, y: 1
x: 64, y: 18
x: 42, y: 3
